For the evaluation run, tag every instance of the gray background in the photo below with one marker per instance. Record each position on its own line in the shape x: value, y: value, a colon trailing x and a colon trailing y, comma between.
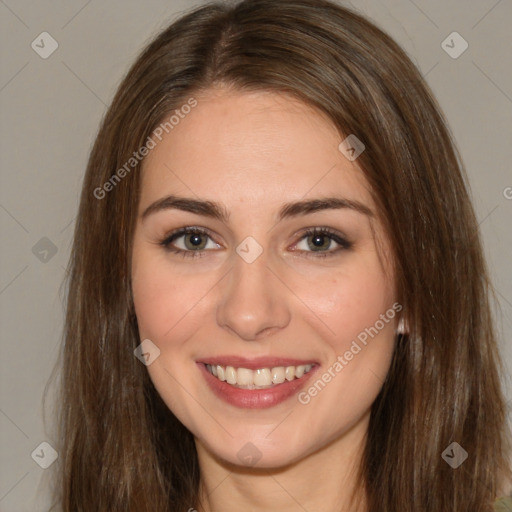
x: 51, y: 109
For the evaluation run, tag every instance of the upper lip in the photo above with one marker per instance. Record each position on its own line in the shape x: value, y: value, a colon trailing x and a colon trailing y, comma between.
x: 254, y: 363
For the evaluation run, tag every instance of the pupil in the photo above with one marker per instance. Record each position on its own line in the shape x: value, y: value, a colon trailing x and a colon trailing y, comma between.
x: 194, y: 241
x: 318, y: 240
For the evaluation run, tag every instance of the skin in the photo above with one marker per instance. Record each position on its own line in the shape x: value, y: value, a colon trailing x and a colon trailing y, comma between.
x: 253, y: 152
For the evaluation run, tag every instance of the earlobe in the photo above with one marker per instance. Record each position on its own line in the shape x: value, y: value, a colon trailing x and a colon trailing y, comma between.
x: 403, y: 327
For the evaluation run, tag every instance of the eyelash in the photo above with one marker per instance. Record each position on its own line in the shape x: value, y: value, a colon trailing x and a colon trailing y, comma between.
x: 195, y: 230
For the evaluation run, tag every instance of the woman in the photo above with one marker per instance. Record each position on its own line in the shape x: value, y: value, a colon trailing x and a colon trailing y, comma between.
x: 277, y: 294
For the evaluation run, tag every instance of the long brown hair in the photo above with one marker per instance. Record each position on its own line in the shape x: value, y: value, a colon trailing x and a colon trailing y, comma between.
x: 121, y: 448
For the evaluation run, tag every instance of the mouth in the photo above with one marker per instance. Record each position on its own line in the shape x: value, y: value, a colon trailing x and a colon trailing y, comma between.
x: 260, y: 378
x: 257, y: 383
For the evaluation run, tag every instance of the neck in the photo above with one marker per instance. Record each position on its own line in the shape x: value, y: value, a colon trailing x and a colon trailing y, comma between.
x: 330, y: 472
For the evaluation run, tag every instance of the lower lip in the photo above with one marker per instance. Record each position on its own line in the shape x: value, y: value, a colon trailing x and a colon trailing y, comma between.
x: 254, y: 398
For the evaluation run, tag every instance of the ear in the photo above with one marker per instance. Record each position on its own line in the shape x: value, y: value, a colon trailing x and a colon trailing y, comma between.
x: 403, y: 327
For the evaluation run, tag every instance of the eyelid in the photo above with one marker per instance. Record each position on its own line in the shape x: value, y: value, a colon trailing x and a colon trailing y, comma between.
x: 333, y: 235
x: 170, y: 237
x: 186, y: 230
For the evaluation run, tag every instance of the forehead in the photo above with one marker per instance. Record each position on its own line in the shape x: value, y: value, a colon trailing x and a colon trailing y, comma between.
x: 255, y: 148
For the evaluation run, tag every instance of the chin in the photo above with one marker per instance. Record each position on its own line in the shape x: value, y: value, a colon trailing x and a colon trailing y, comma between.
x: 259, y: 450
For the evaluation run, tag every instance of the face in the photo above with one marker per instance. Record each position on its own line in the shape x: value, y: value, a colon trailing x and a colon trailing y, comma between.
x: 262, y: 275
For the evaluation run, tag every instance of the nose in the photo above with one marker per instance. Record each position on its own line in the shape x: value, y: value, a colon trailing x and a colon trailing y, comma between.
x: 254, y: 302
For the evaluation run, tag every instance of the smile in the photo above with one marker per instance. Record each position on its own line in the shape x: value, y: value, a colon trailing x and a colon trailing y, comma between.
x: 260, y: 378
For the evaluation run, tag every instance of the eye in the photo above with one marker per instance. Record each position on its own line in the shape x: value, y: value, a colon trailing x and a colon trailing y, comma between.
x: 320, y: 242
x: 193, y: 241
x: 189, y: 242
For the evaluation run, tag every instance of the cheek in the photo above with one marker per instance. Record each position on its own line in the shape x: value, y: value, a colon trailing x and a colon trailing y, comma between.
x: 170, y: 306
x: 169, y: 312
x: 159, y: 295
x: 350, y: 301
x: 360, y: 351
x: 152, y: 300
x: 165, y: 310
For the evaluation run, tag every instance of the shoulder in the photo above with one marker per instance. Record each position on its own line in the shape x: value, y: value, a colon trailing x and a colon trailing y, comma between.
x: 503, y: 504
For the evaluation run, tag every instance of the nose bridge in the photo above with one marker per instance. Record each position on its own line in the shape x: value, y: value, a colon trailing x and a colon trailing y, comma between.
x: 252, y: 300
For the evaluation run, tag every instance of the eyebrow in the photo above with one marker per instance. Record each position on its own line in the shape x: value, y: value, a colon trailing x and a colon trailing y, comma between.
x: 217, y: 211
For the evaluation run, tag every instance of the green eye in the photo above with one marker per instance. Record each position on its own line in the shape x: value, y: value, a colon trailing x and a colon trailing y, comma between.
x: 195, y: 241
x: 318, y: 242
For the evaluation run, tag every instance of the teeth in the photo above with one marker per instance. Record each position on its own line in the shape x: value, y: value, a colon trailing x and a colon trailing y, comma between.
x: 262, y: 377
x: 290, y: 372
x: 230, y: 375
x: 258, y: 379
x: 299, y: 372
x: 244, y: 376
x: 278, y: 375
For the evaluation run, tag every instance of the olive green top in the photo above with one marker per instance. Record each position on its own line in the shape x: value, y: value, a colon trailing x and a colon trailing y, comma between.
x: 503, y: 504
